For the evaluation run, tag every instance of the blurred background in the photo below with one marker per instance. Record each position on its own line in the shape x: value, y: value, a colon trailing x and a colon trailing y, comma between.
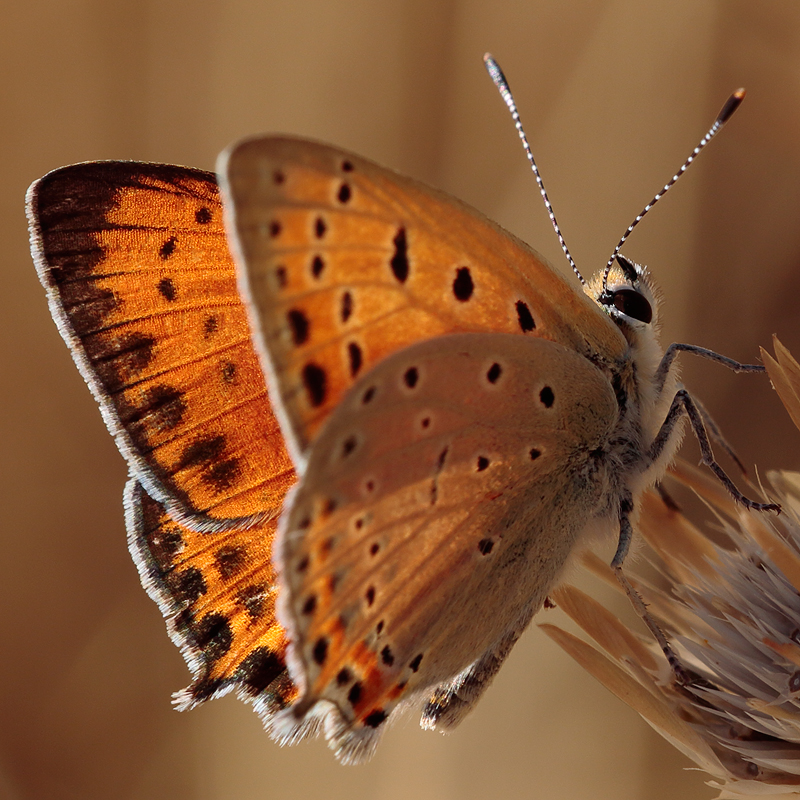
x: 614, y: 94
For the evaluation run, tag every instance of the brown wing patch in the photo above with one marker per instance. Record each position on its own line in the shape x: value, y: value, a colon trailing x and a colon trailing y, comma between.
x: 136, y: 265
x: 216, y: 590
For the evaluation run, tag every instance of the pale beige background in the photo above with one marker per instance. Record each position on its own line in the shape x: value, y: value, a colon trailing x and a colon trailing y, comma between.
x: 614, y: 93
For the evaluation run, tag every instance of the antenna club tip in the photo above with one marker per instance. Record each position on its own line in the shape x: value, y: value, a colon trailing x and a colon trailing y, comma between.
x: 732, y: 103
x: 496, y: 74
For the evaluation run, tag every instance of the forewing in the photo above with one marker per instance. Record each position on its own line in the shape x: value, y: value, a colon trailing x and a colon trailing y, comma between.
x: 440, y: 502
x: 344, y: 262
x: 135, y: 262
x: 136, y: 266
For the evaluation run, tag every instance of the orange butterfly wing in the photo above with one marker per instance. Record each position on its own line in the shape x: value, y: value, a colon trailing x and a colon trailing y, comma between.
x: 141, y: 284
x: 136, y: 266
x: 217, y: 594
x: 345, y: 262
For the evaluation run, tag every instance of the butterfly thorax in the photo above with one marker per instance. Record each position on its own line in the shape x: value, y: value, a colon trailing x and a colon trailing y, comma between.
x: 632, y: 301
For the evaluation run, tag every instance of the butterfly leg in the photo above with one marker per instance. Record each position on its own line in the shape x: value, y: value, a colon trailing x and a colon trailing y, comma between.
x: 710, y: 426
x: 677, y: 347
x: 451, y: 702
x: 684, y: 676
x: 683, y: 403
x: 715, y: 434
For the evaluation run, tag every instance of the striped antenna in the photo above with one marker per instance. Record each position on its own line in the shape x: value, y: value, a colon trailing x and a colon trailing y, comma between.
x: 724, y: 115
x: 502, y: 85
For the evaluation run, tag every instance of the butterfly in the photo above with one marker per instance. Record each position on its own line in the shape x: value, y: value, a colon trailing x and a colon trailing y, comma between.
x: 366, y: 427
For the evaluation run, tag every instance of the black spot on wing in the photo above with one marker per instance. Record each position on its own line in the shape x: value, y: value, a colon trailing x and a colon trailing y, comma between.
x: 399, y: 262
x: 168, y: 248
x: 210, y: 326
x: 162, y: 409
x: 348, y: 446
x: 230, y: 559
x: 202, y: 451
x: 375, y: 718
x: 259, y: 670
x: 310, y: 605
x: 213, y: 636
x: 229, y: 372
x: 299, y: 325
x: 345, y: 193
x: 356, y: 358
x: 463, y: 287
x: 187, y: 586
x: 221, y: 476
x: 206, y: 453
x: 368, y: 395
x: 344, y: 676
x: 320, y: 650
x: 166, y: 288
x: 524, y: 317
x: 314, y: 380
x: 347, y: 306
x: 354, y: 695
x: 485, y: 546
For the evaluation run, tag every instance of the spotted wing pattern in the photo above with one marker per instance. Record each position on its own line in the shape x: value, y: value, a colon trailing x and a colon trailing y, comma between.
x: 344, y: 262
x: 140, y: 281
x: 434, y: 516
x: 217, y: 594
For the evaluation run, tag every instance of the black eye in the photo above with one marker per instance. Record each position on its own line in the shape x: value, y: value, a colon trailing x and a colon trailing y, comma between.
x: 632, y: 304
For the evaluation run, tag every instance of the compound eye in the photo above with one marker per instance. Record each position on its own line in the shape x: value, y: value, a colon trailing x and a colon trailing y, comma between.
x: 632, y: 304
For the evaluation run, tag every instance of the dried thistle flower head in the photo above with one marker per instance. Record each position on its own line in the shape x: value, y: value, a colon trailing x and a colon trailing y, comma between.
x: 732, y: 612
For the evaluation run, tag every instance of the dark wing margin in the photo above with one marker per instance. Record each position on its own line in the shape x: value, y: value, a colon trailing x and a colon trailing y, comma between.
x: 217, y: 596
x: 140, y: 282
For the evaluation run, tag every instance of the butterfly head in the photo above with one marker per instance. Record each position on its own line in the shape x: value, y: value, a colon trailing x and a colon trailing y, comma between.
x: 627, y: 295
